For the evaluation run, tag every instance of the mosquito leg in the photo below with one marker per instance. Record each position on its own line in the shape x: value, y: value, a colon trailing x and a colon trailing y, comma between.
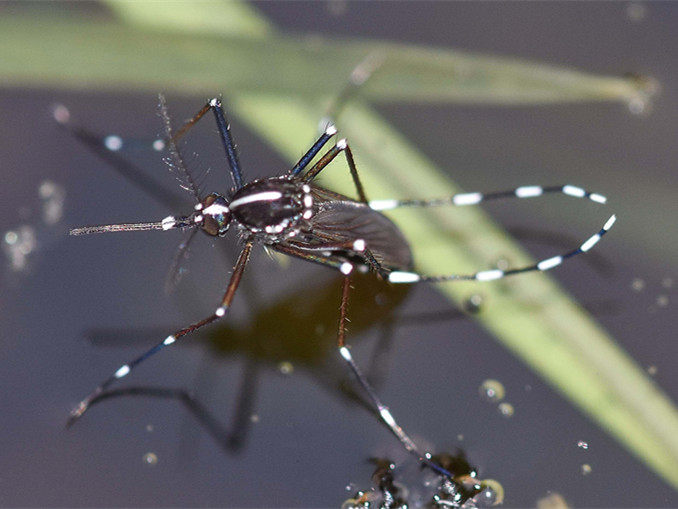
x: 225, y: 133
x: 174, y: 273
x: 125, y: 369
x: 330, y: 131
x: 384, y: 412
x: 490, y: 275
x: 360, y: 74
x: 476, y: 198
x: 341, y: 146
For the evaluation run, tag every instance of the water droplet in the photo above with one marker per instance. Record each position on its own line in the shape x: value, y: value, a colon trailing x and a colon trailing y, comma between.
x: 583, y: 445
x: 492, y: 390
x: 638, y: 284
x: 502, y: 264
x: 506, y: 409
x: 150, y: 459
x: 286, y: 368
x: 652, y: 370
x: 586, y: 469
x: 662, y: 301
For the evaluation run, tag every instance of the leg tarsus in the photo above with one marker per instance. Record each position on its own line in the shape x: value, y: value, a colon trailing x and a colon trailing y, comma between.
x: 125, y: 369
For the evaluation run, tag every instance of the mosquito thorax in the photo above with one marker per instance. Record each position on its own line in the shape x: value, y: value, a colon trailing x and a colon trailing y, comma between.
x: 215, y: 215
x: 273, y: 206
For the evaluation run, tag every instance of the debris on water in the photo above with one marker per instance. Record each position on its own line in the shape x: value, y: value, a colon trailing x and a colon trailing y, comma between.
x: 583, y: 445
x: 652, y: 370
x: 586, y: 469
x: 402, y: 486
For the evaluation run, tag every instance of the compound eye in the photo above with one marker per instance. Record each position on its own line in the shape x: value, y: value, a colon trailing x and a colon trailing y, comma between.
x: 216, y: 215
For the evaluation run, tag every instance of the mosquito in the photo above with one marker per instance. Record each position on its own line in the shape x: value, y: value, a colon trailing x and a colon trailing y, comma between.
x: 291, y: 214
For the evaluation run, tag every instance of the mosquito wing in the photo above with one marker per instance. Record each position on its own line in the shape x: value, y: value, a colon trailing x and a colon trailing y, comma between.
x: 338, y: 220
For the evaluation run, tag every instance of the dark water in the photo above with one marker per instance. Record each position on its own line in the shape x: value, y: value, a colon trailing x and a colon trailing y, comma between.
x: 254, y: 436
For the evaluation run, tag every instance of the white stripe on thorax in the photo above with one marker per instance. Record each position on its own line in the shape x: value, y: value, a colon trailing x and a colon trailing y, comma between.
x: 265, y: 196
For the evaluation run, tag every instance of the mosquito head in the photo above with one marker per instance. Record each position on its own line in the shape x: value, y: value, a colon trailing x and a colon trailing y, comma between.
x: 213, y: 215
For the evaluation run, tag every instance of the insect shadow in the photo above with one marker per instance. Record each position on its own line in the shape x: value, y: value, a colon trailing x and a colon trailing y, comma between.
x: 292, y: 330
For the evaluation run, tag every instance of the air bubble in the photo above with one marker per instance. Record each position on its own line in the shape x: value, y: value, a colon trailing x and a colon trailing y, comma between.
x: 474, y: 303
x: 506, y: 409
x: 11, y: 237
x: 492, y: 494
x: 492, y: 390
x: 150, y: 459
x: 662, y: 301
x: 502, y: 264
x: 149, y: 428
x: 254, y: 418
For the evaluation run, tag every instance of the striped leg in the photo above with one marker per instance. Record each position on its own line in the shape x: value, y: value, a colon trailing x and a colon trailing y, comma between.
x: 125, y: 369
x: 224, y: 132
x: 384, y: 412
x: 330, y: 131
x: 475, y: 198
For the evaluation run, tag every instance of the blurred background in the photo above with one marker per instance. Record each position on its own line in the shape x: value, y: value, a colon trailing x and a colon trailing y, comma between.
x: 272, y: 419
